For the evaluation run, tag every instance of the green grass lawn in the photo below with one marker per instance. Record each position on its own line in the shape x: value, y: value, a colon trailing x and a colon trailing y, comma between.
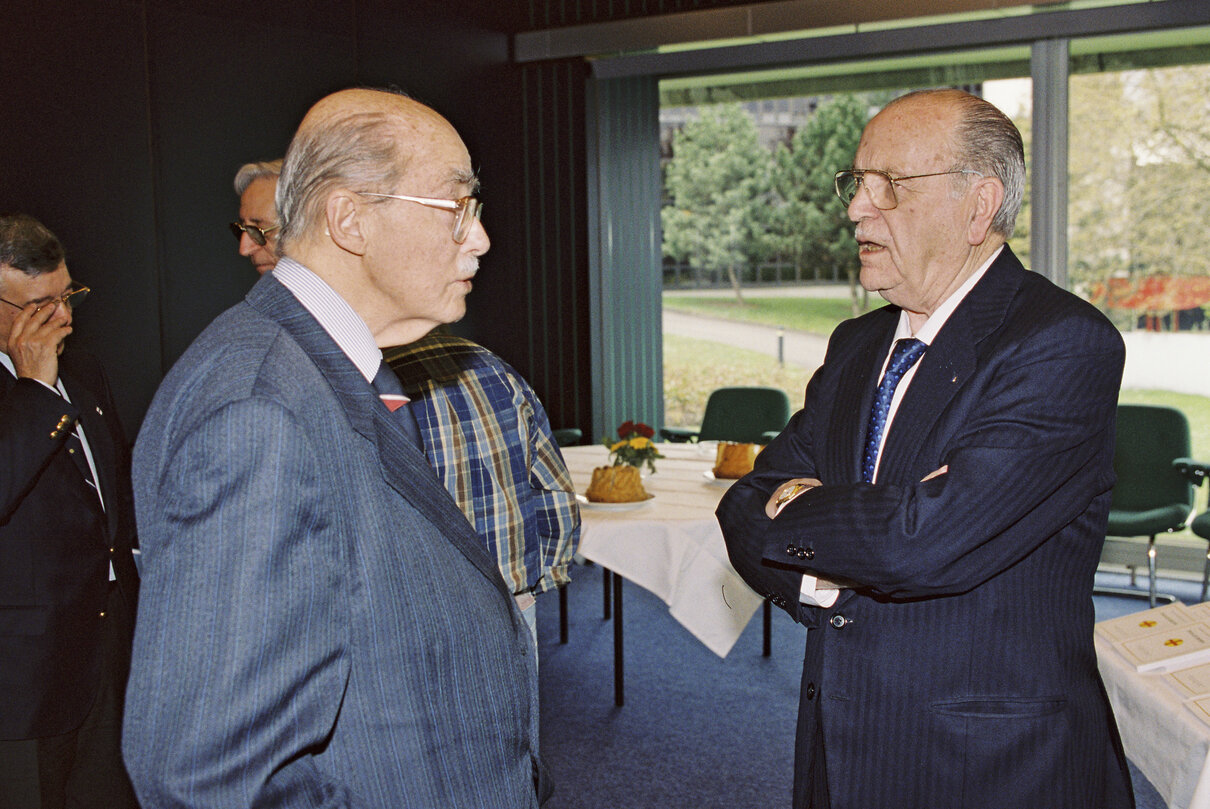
x: 694, y: 368
x: 818, y: 315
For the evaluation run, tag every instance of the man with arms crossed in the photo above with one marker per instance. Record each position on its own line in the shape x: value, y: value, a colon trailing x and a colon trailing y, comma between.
x: 962, y: 512
x: 323, y: 626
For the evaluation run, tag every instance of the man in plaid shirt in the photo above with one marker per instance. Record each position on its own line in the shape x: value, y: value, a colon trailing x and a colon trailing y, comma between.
x: 489, y: 439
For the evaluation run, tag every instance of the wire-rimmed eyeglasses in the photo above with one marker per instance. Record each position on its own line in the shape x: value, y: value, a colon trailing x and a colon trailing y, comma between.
x: 258, y: 235
x: 880, y: 184
x: 466, y: 210
x: 71, y: 299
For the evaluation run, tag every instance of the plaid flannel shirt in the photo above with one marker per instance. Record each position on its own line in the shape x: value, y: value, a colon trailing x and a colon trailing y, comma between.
x: 489, y: 439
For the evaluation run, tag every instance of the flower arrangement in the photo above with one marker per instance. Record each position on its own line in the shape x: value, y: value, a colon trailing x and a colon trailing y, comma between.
x: 634, y: 446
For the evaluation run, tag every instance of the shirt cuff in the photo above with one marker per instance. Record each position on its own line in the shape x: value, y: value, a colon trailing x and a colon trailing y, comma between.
x: 812, y: 596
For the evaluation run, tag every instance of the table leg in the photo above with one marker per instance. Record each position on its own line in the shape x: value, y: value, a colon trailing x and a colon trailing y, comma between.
x: 619, y: 675
x: 563, y: 614
x: 605, y: 591
x: 768, y: 627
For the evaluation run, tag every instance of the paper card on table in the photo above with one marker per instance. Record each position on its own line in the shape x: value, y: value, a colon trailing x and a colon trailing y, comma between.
x: 1192, y: 682
x: 1141, y: 624
x: 1201, y: 707
x: 1198, y: 612
x: 1177, y: 648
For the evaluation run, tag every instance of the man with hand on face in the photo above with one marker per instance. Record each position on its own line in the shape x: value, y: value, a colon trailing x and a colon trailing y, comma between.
x: 256, y: 230
x: 934, y: 515
x: 318, y: 615
x: 67, y: 579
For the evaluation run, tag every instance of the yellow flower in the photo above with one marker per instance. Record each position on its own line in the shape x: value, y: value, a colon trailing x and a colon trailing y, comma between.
x: 640, y: 442
x: 617, y: 446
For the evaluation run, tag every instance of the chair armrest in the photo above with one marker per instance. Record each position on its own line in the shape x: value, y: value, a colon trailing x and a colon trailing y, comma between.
x: 678, y: 435
x: 1195, y: 471
x: 768, y: 435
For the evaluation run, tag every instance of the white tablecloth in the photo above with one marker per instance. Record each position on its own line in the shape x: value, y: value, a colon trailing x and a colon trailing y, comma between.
x: 1159, y: 733
x: 671, y: 545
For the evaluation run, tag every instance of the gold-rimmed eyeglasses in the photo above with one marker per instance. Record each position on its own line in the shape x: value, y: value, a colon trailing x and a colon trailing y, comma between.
x: 880, y: 184
x: 258, y: 235
x: 466, y: 210
x: 71, y: 299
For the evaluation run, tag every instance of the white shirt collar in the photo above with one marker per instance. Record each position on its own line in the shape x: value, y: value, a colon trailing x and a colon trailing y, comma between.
x: 928, y: 332
x: 333, y: 312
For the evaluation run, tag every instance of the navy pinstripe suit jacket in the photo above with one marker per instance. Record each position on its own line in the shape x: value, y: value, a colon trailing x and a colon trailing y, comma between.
x: 959, y: 669
x: 321, y: 627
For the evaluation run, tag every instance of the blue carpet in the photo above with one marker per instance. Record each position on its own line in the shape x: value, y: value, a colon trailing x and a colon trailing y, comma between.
x: 696, y: 732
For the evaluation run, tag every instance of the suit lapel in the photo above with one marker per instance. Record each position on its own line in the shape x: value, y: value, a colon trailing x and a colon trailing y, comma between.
x: 403, y: 465
x: 950, y: 361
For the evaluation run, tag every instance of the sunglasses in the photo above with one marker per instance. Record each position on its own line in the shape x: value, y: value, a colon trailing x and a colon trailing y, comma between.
x: 258, y: 235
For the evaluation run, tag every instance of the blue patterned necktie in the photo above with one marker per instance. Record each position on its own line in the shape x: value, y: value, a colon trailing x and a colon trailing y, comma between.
x: 903, y: 357
x: 392, y: 396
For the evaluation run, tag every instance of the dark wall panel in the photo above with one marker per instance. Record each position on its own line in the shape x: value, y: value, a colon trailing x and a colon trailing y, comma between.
x: 127, y: 119
x: 552, y: 197
x: 74, y: 153
x: 228, y: 85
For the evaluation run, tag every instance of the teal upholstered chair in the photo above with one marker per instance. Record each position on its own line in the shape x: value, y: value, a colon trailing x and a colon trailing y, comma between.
x: 1151, y: 495
x: 741, y: 414
x: 1196, y: 472
x: 567, y: 436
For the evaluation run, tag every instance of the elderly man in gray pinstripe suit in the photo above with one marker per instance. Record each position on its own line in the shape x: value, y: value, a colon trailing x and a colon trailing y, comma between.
x: 321, y: 626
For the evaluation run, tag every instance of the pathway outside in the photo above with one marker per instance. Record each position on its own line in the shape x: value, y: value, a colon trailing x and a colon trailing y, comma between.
x: 1154, y: 360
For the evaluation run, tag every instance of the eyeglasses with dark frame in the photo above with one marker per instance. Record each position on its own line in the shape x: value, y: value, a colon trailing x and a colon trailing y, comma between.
x: 466, y: 210
x: 881, y: 185
x: 258, y: 235
x: 71, y: 299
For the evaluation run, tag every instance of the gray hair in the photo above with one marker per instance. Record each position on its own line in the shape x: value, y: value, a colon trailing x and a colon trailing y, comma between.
x: 28, y: 245
x: 251, y: 172
x: 987, y: 141
x: 357, y: 150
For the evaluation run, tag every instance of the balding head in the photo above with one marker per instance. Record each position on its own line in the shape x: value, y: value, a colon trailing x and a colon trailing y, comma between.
x: 374, y: 196
x: 982, y: 139
x: 353, y: 139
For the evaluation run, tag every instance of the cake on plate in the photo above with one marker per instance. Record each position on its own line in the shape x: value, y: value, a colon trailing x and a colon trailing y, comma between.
x: 734, y: 460
x: 616, y: 484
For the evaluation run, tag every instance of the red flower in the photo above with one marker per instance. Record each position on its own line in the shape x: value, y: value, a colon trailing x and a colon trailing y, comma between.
x: 626, y: 429
x: 643, y: 430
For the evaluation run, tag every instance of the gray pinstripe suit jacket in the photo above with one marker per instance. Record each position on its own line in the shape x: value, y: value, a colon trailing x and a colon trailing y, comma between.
x: 959, y: 670
x: 320, y: 626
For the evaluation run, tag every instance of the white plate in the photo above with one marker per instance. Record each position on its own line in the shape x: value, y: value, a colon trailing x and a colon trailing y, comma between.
x: 709, y: 475
x: 586, y: 503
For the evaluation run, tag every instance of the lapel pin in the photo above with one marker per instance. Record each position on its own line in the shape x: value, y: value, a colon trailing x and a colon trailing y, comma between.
x: 99, y: 412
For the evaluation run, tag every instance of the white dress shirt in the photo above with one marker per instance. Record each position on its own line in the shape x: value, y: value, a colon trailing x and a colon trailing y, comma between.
x: 333, y: 312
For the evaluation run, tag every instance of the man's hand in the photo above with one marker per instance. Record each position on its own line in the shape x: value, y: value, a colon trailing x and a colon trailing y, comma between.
x: 36, y: 339
x: 786, y: 492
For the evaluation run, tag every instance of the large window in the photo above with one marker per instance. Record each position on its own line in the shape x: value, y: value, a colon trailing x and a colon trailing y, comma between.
x: 760, y: 262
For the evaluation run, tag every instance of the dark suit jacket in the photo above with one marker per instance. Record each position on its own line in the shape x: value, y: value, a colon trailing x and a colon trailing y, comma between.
x: 55, y: 546
x: 319, y: 624
x: 959, y: 669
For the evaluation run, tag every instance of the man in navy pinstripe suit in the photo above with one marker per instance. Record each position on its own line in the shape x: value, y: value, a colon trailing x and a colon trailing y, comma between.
x: 939, y: 540
x: 322, y: 626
